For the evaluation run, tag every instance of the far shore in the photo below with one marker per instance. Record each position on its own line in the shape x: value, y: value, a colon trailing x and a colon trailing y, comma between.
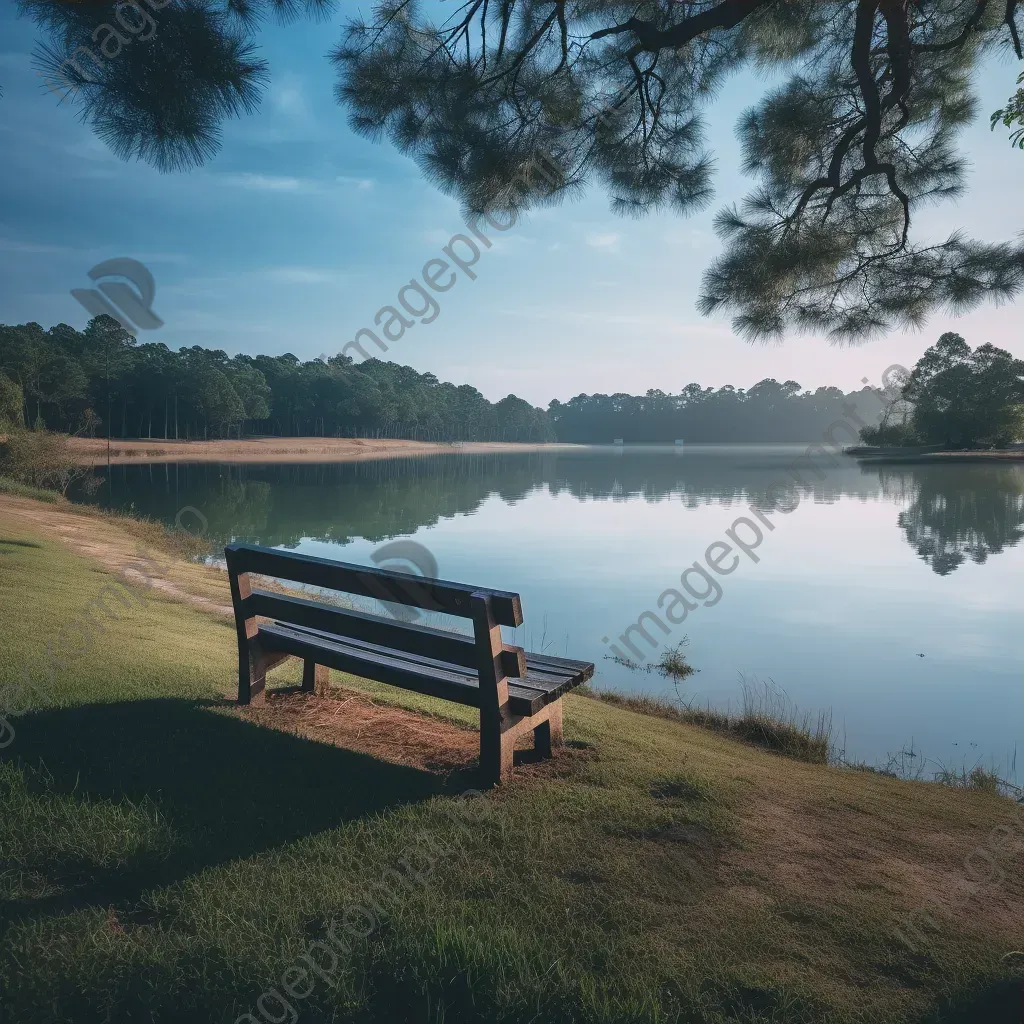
x: 993, y: 455
x: 92, y: 451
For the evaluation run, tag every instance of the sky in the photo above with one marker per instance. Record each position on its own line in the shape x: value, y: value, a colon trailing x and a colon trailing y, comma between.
x: 298, y: 231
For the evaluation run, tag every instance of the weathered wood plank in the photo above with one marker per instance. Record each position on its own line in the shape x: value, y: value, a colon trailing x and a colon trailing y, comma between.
x: 473, y: 670
x: 410, y: 637
x: 410, y: 672
x: 383, y: 584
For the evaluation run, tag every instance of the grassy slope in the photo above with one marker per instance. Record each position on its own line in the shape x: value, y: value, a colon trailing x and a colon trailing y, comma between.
x: 164, y: 860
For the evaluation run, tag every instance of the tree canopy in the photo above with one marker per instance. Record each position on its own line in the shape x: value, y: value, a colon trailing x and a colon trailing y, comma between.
x: 99, y: 379
x: 769, y: 411
x: 857, y: 132
x: 959, y: 398
x: 964, y: 398
x: 1012, y: 115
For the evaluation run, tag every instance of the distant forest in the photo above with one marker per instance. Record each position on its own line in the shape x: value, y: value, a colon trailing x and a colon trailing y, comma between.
x: 101, y: 382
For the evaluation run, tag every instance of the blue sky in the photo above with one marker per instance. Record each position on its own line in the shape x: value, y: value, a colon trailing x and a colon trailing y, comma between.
x: 299, y: 231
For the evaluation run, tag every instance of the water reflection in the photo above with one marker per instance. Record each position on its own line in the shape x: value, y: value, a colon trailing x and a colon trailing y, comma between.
x: 282, y: 504
x: 854, y: 584
x: 956, y: 513
x: 950, y: 513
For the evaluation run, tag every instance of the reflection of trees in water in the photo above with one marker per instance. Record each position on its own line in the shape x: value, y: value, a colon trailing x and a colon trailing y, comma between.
x: 282, y: 504
x: 959, y: 512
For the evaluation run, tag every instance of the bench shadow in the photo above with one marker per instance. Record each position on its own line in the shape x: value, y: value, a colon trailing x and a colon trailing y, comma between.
x: 226, y: 788
x: 1000, y: 1002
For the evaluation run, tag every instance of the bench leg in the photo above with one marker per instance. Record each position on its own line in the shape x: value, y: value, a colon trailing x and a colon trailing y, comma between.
x: 497, y: 742
x: 498, y: 738
x: 555, y: 721
x: 549, y: 733
x: 315, y: 678
x: 252, y: 679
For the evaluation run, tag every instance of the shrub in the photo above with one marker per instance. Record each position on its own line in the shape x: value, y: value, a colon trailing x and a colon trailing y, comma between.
x: 896, y: 435
x: 40, y: 458
x: 10, y: 405
x: 20, y: 490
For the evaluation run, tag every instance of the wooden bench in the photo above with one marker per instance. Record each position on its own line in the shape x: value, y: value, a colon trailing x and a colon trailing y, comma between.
x: 515, y: 692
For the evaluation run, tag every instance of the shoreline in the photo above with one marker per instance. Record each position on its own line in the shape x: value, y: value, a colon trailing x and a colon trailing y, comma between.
x: 917, y: 458
x: 710, y: 824
x: 93, y: 452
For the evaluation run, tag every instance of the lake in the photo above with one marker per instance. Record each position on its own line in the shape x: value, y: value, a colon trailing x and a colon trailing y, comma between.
x: 889, y: 595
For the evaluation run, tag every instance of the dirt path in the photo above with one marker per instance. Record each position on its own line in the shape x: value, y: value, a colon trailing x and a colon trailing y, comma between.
x: 119, y: 551
x: 344, y: 717
x: 284, y: 449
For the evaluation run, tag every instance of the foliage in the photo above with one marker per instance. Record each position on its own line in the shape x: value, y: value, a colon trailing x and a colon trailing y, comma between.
x: 894, y: 435
x: 963, y: 398
x: 769, y: 411
x: 764, y: 720
x: 12, y: 415
x: 1012, y: 114
x: 20, y: 490
x: 149, y: 390
x: 40, y: 458
x: 855, y: 134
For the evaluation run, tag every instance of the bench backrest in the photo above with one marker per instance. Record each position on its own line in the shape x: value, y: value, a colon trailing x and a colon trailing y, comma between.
x: 488, y: 609
x: 383, y: 584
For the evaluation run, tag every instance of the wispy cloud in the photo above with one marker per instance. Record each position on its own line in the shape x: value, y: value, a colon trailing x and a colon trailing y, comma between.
x: 303, y: 275
x: 290, y: 185
x: 362, y: 184
x: 269, y: 182
x: 438, y: 236
x: 287, y: 97
x: 607, y: 240
x: 245, y: 281
x: 690, y: 238
x: 653, y: 323
x: 37, y: 248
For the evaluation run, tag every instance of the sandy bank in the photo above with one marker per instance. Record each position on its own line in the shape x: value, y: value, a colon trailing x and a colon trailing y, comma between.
x: 284, y: 449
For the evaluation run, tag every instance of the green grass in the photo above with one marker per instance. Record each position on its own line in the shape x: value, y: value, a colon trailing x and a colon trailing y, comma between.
x: 20, y: 490
x: 165, y: 860
x: 764, y: 720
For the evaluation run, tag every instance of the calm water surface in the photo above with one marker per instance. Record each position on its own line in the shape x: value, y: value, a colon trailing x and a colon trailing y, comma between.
x: 873, y: 568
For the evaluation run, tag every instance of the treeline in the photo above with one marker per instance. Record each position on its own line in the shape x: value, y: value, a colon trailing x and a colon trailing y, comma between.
x: 101, y: 382
x: 957, y: 398
x: 769, y: 411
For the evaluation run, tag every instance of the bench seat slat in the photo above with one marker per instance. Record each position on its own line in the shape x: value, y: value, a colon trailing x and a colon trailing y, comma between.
x: 426, y: 675
x: 397, y: 669
x: 544, y: 674
x: 413, y: 638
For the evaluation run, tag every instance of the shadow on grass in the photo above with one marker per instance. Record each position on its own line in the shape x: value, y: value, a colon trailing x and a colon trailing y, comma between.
x: 1001, y: 1002
x: 225, y: 788
x: 19, y: 543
